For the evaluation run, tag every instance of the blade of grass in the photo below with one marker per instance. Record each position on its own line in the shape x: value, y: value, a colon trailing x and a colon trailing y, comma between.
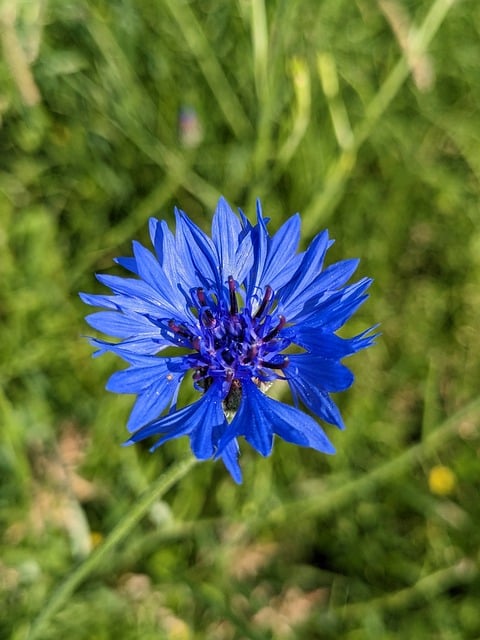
x: 15, y: 56
x: 426, y: 588
x: 119, y: 533
x: 301, y: 85
x: 260, y: 46
x: 119, y: 74
x: 199, y: 45
x: 338, y: 497
x: 324, y: 201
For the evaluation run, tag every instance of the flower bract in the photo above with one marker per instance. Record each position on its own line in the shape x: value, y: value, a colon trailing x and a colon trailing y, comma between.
x: 231, y: 314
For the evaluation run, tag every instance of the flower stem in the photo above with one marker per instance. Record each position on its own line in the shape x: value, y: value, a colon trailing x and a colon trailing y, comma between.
x: 121, y: 531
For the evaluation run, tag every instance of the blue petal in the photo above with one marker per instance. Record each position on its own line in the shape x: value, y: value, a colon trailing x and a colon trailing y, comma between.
x: 150, y: 270
x: 129, y: 349
x: 168, y: 257
x: 136, y: 379
x: 176, y: 364
x: 275, y: 258
x: 298, y: 428
x: 97, y: 300
x: 282, y: 260
x: 199, y: 420
x: 252, y: 421
x: 334, y: 276
x: 326, y: 344
x: 332, y: 312
x: 226, y: 229
x: 163, y: 241
x: 154, y: 275
x: 259, y: 237
x: 328, y: 281
x: 119, y: 325
x: 229, y: 457
x: 197, y: 252
x: 259, y: 417
x: 233, y: 245
x: 136, y: 295
x: 327, y: 375
x: 130, y: 264
x: 318, y: 401
x: 153, y: 288
x: 150, y: 404
x: 309, y: 268
x: 244, y: 259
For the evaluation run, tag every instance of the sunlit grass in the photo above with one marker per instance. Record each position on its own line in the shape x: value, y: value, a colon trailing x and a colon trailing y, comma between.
x: 364, y: 117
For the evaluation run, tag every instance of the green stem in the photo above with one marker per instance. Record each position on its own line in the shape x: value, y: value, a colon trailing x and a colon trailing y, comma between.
x: 426, y: 588
x: 197, y: 40
x: 324, y: 202
x: 119, y: 533
x: 338, y: 497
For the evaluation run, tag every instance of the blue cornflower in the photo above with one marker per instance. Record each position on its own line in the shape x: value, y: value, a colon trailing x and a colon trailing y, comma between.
x: 243, y: 309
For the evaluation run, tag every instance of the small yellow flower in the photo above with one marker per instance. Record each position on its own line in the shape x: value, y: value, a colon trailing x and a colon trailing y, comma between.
x: 441, y: 480
x: 96, y: 538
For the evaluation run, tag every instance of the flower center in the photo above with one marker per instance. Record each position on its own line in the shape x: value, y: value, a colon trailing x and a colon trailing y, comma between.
x: 232, y: 343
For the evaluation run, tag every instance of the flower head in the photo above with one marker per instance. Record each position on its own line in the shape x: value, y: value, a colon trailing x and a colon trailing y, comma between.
x: 242, y: 309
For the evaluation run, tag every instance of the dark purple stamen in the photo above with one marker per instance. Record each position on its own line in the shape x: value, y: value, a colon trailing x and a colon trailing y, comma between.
x: 266, y: 299
x: 202, y: 299
x: 277, y: 329
x: 208, y: 319
x: 233, y: 296
x: 276, y: 365
x: 180, y: 329
x: 251, y: 354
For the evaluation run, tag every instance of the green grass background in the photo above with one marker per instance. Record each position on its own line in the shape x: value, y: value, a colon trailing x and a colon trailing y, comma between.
x: 364, y: 116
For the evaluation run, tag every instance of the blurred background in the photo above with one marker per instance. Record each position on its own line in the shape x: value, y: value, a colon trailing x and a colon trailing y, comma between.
x: 363, y: 115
